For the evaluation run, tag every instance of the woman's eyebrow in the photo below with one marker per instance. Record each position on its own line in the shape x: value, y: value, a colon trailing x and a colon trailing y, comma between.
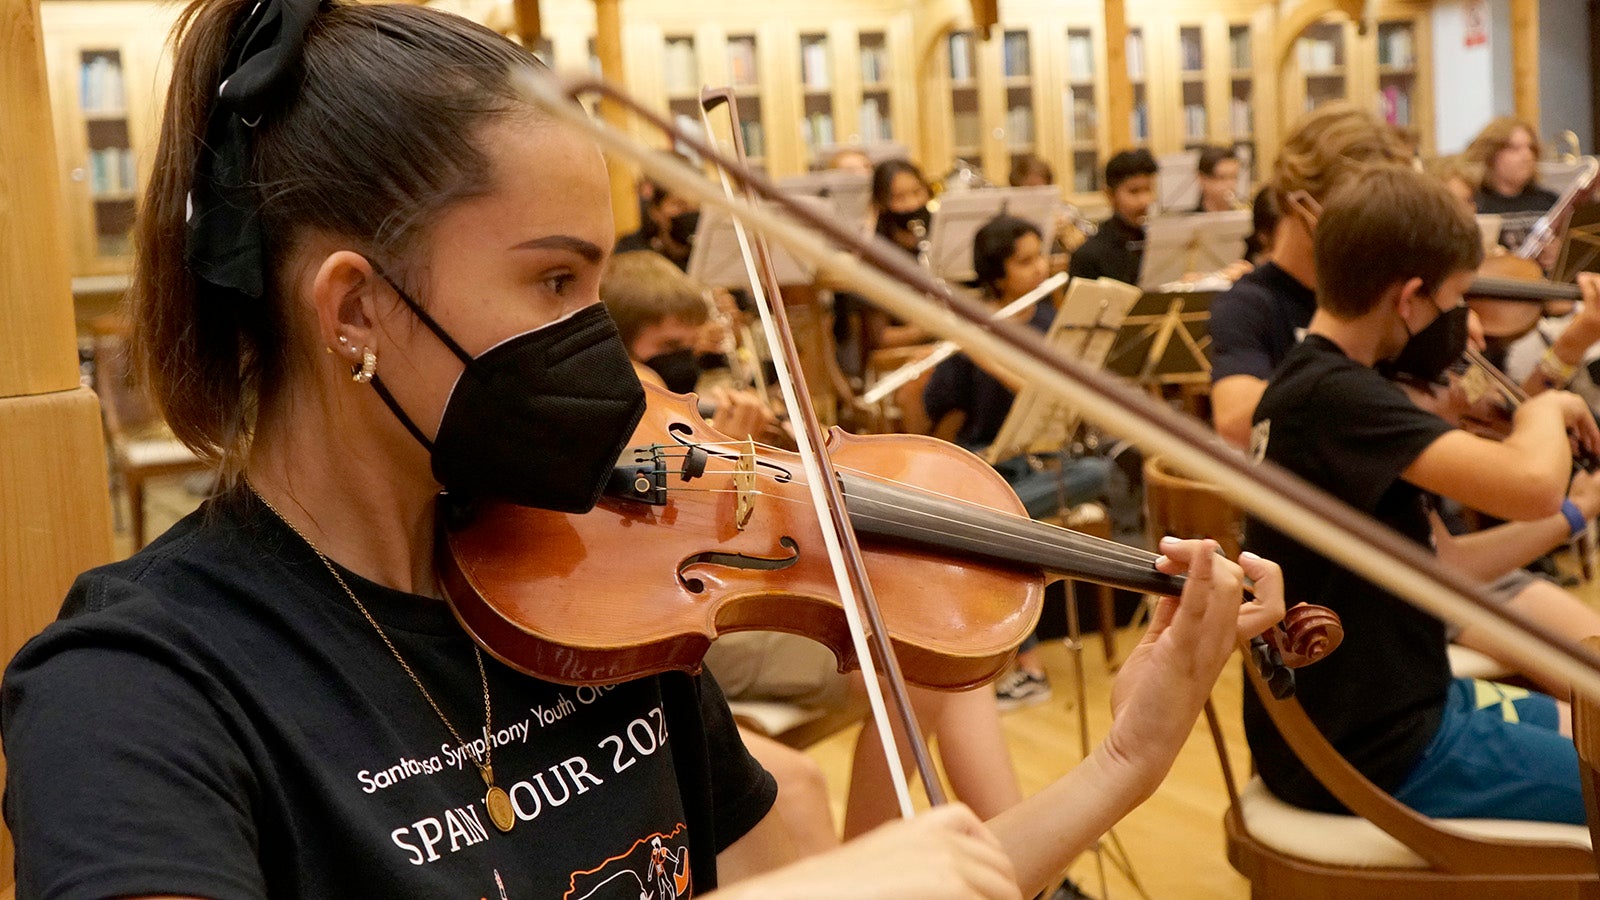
x: 586, y: 249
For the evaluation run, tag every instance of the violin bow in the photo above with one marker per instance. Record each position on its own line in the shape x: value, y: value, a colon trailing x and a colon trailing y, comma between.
x: 844, y: 551
x: 897, y: 285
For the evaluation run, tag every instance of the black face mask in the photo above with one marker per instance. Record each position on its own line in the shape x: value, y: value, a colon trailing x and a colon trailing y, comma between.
x: 538, y: 419
x: 903, y: 220
x: 679, y: 369
x: 683, y: 227
x: 1430, y: 351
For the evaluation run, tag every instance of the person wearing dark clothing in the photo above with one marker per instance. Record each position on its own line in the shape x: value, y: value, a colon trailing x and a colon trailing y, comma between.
x: 1116, y: 250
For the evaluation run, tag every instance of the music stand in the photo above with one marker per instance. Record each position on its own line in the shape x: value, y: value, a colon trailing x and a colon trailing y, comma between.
x: 1202, y: 242
x: 961, y: 214
x: 1085, y: 328
x: 1178, y: 181
x: 715, y: 260
x: 850, y: 193
x: 1164, y: 339
x: 1580, y: 250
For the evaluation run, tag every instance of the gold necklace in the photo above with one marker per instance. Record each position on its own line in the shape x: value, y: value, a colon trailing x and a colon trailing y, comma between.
x: 496, y: 800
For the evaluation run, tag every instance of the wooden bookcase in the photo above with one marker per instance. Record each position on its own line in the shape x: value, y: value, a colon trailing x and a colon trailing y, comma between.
x: 814, y: 75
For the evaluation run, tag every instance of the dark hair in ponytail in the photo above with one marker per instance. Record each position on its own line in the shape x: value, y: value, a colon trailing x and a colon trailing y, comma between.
x: 379, y: 137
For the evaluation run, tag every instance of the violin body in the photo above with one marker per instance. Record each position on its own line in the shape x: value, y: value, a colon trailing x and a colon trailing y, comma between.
x: 634, y: 588
x: 1510, y: 294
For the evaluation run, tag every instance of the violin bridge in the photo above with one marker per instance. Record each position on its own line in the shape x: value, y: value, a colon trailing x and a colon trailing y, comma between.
x: 1475, y: 384
x: 744, y: 483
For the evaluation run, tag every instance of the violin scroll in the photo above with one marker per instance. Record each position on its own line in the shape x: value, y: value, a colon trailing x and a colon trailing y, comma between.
x: 1307, y: 634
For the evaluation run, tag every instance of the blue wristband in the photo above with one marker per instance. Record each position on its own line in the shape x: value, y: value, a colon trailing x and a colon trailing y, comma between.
x: 1575, y: 519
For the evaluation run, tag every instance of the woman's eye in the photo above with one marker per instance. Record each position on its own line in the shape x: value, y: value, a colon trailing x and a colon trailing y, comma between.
x: 558, y: 284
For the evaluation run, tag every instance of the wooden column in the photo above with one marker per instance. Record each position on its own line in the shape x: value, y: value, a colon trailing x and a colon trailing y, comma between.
x: 1525, y: 60
x: 1119, y: 88
x: 608, y: 46
x: 529, y: 25
x: 55, y: 510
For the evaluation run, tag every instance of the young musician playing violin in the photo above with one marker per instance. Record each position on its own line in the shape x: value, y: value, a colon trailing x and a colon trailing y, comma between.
x: 1256, y: 322
x: 367, y: 270
x: 1508, y: 151
x: 667, y: 225
x: 1008, y: 258
x: 660, y: 314
x: 1394, y: 252
x: 665, y: 322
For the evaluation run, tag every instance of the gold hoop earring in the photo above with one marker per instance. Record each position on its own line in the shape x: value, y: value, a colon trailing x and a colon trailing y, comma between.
x: 369, y: 365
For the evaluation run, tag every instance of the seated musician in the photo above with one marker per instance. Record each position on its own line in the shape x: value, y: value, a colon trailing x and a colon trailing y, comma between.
x: 1116, y: 250
x: 666, y: 224
x: 1256, y: 322
x: 271, y: 700
x: 664, y: 318
x: 1394, y: 252
x: 1460, y: 175
x: 1264, y: 217
x: 1219, y: 180
x: 1508, y: 149
x: 1008, y: 259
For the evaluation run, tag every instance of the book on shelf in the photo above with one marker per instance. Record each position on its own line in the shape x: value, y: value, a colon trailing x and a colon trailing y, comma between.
x: 816, y: 130
x: 874, y: 64
x: 1135, y: 51
x: 960, y: 56
x: 1189, y: 43
x: 1080, y: 56
x: 1241, y: 118
x: 968, y: 130
x: 874, y: 122
x: 755, y: 138
x: 1017, y: 63
x: 682, y: 74
x: 100, y: 85
x: 111, y: 171
x: 1019, y: 125
x: 1140, y: 125
x: 1082, y: 119
x: 1239, y: 49
x: 1396, y: 105
x: 742, y: 61
x: 1317, y: 55
x: 1083, y: 179
x: 1394, y: 47
x: 1194, y: 122
x: 814, y: 64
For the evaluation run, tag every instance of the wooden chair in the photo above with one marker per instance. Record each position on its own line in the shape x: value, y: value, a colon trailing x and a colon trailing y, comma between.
x: 1185, y: 508
x: 1386, y: 849
x: 1586, y: 735
x: 140, y: 445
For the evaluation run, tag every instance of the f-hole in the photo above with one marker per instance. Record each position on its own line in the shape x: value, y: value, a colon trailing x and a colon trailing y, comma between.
x: 736, y: 561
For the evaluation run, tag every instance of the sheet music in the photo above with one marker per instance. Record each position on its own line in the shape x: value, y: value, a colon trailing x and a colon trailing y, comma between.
x: 1084, y: 329
x: 1199, y: 243
x: 715, y: 260
x: 960, y: 214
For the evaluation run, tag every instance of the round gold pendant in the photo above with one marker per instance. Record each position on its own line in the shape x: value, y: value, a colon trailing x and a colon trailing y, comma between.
x: 500, y: 811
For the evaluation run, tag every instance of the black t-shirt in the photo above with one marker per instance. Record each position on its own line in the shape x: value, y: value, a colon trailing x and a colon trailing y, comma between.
x: 1518, y: 213
x: 213, y: 717
x: 1113, y: 252
x: 1380, y: 697
x: 1257, y: 321
x: 959, y: 384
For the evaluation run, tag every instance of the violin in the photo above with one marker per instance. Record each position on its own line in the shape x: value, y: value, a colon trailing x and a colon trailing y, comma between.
x: 1510, y: 294
x: 720, y: 538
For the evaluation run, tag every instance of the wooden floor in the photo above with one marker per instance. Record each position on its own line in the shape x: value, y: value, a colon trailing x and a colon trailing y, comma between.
x: 1173, y: 843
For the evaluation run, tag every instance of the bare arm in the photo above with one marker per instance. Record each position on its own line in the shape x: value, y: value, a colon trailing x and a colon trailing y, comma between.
x: 1521, y: 478
x: 1574, y: 341
x: 1492, y: 552
x: 1233, y: 404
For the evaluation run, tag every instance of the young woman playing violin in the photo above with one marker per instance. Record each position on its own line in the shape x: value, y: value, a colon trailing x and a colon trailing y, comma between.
x: 271, y: 700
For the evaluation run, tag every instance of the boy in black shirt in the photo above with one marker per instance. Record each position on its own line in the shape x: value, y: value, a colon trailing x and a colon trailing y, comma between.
x: 1394, y: 252
x: 1117, y: 248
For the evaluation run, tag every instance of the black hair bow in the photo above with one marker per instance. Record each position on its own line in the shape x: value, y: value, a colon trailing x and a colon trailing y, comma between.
x: 224, y: 243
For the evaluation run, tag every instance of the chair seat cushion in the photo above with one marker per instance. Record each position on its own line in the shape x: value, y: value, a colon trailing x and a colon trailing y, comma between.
x: 772, y: 719
x: 156, y: 453
x: 1353, y: 842
x: 1468, y: 663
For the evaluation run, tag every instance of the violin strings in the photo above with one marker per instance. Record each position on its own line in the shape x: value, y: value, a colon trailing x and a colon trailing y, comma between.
x: 1109, y: 549
x: 1067, y: 539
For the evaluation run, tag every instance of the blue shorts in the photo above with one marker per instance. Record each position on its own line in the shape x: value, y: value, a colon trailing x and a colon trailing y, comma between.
x: 1498, y: 754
